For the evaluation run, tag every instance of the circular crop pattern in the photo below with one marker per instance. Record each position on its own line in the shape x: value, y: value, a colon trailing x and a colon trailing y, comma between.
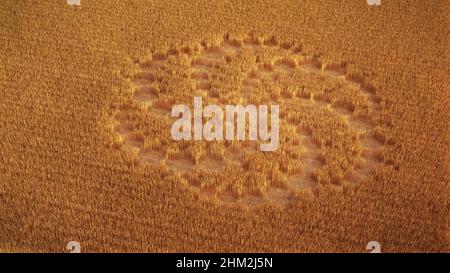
x: 328, y: 119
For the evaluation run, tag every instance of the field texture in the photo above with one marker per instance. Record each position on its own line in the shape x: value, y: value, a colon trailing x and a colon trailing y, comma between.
x: 86, y: 153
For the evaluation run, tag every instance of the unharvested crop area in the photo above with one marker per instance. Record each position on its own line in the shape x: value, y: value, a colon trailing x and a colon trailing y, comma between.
x: 86, y: 153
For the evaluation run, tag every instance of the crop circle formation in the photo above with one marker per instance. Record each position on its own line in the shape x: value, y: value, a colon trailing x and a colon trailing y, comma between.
x: 329, y: 118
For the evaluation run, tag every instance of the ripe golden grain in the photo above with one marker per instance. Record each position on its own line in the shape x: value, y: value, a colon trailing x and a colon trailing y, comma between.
x: 68, y: 174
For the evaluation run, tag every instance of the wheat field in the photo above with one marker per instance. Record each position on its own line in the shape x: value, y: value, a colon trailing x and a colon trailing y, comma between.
x: 85, y: 115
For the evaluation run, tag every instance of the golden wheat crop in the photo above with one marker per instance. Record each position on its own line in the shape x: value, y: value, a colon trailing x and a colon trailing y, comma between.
x: 85, y: 146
